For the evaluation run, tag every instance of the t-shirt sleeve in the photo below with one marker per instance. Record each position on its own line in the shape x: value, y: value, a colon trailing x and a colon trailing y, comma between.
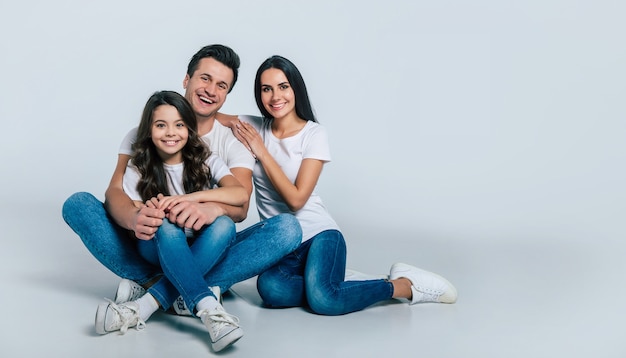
x: 316, y: 146
x: 127, y: 143
x: 218, y: 168
x: 238, y: 156
x: 255, y: 121
x: 129, y: 182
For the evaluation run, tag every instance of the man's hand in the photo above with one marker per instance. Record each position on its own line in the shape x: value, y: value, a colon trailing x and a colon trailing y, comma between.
x: 147, y: 221
x: 194, y: 215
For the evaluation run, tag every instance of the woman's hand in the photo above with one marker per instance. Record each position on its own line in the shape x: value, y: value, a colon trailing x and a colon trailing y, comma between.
x: 250, y: 138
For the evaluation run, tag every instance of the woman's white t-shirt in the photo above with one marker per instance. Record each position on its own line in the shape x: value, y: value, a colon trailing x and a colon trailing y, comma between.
x: 310, y: 143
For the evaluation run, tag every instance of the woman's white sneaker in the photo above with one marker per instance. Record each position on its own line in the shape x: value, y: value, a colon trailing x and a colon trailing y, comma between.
x: 425, y: 286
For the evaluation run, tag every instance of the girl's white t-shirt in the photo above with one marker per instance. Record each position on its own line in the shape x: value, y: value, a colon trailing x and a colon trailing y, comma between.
x: 310, y: 143
x: 174, y: 175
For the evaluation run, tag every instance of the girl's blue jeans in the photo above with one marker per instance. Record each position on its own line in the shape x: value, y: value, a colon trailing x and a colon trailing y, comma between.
x: 185, y: 263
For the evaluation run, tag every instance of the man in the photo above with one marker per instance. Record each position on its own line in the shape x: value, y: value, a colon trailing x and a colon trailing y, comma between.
x: 103, y: 228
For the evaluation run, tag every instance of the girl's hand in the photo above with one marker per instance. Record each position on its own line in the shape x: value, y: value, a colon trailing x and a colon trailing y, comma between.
x: 250, y: 138
x: 166, y: 203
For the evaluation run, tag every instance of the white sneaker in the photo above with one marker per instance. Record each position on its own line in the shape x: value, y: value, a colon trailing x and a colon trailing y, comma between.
x: 353, y: 275
x: 112, y: 317
x: 180, y: 307
x: 223, y: 328
x: 128, y: 290
x: 425, y: 286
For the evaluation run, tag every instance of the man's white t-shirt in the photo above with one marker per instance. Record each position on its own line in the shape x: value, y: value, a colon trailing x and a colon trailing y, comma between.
x: 310, y: 143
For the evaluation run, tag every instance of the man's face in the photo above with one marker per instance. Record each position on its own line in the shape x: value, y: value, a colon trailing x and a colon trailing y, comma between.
x: 208, y: 87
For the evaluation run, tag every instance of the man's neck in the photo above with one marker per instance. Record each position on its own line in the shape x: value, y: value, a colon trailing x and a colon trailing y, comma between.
x: 205, y: 124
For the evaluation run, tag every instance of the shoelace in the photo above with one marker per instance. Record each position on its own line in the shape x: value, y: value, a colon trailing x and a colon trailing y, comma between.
x: 219, y: 319
x: 127, y: 315
x: 426, y: 296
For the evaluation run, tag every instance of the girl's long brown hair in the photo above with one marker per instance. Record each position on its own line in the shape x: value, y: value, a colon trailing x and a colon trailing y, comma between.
x: 153, y: 181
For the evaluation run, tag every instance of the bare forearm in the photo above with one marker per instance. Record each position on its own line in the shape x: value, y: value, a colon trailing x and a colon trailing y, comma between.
x: 234, y: 196
x: 120, y: 207
x: 293, y: 197
x: 236, y: 213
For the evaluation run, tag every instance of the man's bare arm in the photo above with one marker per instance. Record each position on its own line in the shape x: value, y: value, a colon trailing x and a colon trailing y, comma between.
x: 239, y: 213
x: 143, y: 221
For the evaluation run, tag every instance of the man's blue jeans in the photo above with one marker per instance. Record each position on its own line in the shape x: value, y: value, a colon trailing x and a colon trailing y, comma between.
x: 184, y: 262
x: 254, y: 250
x: 314, y: 275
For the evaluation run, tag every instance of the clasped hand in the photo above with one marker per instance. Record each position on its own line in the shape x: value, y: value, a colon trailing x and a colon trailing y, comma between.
x: 178, y: 209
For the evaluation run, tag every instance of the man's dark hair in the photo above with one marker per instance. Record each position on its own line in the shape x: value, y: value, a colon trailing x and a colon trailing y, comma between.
x: 220, y: 53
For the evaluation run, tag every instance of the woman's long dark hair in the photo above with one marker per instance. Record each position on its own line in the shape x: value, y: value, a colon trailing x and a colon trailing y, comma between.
x: 153, y: 181
x: 303, y: 106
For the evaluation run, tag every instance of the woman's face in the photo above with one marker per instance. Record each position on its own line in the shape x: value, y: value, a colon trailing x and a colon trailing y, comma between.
x: 169, y: 133
x: 277, y: 95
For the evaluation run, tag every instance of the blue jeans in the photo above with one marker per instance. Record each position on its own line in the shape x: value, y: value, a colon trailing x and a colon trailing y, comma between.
x: 314, y: 275
x: 253, y: 251
x: 185, y: 263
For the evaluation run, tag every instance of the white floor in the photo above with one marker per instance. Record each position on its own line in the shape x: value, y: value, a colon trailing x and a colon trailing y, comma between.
x: 529, y: 299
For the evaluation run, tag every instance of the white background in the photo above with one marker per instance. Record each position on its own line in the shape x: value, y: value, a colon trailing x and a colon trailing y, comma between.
x: 484, y: 122
x: 483, y: 119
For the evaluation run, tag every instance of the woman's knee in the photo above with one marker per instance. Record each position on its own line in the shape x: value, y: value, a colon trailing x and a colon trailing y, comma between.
x: 322, y: 302
x: 278, y: 291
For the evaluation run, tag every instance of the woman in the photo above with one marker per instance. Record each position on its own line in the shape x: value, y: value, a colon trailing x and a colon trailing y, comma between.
x: 171, y: 164
x: 291, y: 149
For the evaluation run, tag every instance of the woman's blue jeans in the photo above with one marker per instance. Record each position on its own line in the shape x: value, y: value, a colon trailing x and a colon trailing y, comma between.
x: 254, y: 250
x: 313, y: 275
x: 185, y: 263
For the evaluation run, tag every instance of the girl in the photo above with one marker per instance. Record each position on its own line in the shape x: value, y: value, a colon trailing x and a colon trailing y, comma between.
x: 291, y: 149
x: 171, y: 164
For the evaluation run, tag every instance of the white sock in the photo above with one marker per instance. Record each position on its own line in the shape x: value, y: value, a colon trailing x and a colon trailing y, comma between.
x: 207, y: 303
x: 147, y: 306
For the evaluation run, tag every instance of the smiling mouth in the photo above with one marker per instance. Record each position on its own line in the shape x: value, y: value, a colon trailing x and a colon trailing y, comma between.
x: 170, y: 142
x: 206, y: 100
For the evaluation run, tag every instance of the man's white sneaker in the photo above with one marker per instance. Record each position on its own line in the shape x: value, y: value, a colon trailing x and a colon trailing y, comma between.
x: 128, y: 290
x: 180, y: 307
x: 353, y: 275
x: 223, y: 328
x: 425, y: 286
x: 111, y: 317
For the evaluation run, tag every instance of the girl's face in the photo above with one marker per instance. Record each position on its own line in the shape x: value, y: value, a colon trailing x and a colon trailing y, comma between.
x: 169, y: 133
x: 277, y: 95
